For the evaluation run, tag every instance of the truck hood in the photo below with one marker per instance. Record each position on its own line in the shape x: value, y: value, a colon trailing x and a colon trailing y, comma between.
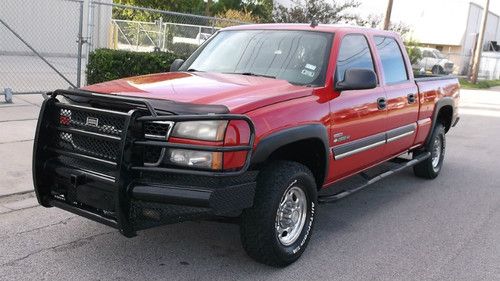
x: 239, y: 93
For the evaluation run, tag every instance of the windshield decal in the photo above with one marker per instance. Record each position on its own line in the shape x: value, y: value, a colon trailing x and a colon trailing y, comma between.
x: 311, y: 67
x: 307, y: 73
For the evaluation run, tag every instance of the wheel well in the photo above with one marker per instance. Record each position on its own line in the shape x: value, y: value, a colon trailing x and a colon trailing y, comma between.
x: 308, y: 152
x: 445, y: 116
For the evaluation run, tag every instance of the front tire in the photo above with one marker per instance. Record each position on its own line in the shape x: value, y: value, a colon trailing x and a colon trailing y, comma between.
x: 437, y: 69
x: 430, y: 168
x: 277, y: 229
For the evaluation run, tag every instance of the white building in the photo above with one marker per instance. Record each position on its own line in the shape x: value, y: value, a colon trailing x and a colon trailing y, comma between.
x: 448, y: 25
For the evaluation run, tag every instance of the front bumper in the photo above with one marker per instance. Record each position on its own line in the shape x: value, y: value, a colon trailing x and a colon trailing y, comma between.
x: 120, y: 190
x: 150, y: 201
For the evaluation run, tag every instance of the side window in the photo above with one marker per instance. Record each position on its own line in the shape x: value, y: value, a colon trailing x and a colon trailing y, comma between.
x: 428, y: 54
x: 354, y: 53
x: 392, y: 59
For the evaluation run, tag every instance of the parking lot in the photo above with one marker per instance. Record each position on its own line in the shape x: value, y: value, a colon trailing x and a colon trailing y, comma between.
x: 402, y: 228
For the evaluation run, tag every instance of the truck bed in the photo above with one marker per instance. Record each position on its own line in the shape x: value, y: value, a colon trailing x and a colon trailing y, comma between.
x: 435, y: 92
x: 431, y: 77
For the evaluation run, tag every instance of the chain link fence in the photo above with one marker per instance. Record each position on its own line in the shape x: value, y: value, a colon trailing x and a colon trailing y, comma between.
x: 45, y: 44
x: 489, y: 68
x: 145, y: 29
x: 38, y: 48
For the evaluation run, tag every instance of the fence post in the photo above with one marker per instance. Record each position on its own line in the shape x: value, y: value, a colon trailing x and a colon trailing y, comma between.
x: 90, y: 28
x: 8, y: 95
x: 164, y: 36
x: 80, y: 42
x: 160, y: 32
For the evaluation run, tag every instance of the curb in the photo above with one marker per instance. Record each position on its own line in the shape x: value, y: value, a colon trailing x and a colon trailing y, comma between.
x: 16, y: 194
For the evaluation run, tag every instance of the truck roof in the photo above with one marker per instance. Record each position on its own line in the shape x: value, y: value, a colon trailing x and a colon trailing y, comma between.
x: 332, y: 28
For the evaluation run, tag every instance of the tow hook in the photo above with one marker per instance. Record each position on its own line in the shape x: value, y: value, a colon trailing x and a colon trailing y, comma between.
x: 77, y: 180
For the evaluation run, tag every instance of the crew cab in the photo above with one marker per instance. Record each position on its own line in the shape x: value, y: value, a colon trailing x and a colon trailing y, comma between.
x: 434, y: 61
x: 260, y: 124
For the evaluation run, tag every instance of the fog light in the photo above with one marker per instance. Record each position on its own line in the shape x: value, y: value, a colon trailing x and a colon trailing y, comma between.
x: 196, y: 159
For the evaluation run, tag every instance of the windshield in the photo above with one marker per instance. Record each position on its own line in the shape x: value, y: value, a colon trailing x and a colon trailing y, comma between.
x: 300, y: 57
x: 438, y: 54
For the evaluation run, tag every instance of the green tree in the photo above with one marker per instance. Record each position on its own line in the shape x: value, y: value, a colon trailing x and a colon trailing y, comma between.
x: 181, y: 6
x: 235, y: 15
x: 375, y: 21
x: 414, y: 52
x: 260, y: 9
x: 305, y: 11
x: 411, y: 45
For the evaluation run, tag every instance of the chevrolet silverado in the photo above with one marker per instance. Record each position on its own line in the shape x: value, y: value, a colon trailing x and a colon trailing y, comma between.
x: 257, y: 124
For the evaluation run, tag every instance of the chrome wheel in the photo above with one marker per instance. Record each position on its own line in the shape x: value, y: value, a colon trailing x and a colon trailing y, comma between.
x: 291, y: 215
x: 436, y: 153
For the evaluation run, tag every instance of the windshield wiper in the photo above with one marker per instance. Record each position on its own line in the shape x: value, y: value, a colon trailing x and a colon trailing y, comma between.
x: 255, y: 74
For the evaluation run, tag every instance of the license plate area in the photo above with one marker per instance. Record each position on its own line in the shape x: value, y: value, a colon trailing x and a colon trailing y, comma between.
x: 75, y: 186
x: 96, y: 197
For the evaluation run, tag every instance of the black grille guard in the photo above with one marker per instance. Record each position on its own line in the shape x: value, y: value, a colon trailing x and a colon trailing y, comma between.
x: 128, y: 164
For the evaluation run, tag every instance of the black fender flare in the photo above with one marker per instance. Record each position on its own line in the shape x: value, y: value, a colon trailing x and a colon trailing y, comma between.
x: 445, y: 101
x: 276, y: 140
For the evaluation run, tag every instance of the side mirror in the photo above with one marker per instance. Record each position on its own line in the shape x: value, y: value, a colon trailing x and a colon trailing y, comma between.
x: 357, y: 79
x: 176, y: 64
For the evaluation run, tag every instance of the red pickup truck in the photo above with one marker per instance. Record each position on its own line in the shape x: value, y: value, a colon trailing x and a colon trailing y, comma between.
x: 255, y: 125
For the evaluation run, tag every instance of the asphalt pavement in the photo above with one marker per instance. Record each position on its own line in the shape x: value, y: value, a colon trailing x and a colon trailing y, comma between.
x: 29, y: 73
x: 402, y: 228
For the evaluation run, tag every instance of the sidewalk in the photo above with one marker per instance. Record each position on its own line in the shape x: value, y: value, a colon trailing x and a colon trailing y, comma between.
x: 495, y: 89
x: 17, y: 129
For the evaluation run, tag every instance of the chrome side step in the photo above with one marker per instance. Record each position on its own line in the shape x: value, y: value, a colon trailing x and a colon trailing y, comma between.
x: 401, y: 165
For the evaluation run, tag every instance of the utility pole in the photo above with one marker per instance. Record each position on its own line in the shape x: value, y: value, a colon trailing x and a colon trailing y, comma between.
x: 207, y: 7
x: 387, y: 19
x: 479, y: 44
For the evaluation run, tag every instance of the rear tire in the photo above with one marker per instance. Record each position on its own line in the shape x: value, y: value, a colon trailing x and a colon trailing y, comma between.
x: 277, y: 229
x: 430, y: 168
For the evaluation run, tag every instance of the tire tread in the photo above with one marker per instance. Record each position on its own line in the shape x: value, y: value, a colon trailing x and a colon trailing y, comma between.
x: 424, y: 169
x: 254, y: 230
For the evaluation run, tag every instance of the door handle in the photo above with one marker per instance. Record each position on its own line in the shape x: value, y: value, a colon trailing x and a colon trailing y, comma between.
x: 412, y: 98
x: 381, y: 103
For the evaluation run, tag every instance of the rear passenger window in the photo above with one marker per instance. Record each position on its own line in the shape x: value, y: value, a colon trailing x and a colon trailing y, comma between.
x: 392, y: 60
x: 354, y: 53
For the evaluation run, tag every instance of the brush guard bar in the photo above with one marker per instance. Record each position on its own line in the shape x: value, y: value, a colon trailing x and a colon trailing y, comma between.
x: 61, y: 183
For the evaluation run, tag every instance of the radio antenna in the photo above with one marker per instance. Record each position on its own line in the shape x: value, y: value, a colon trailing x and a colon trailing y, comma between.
x: 314, y: 23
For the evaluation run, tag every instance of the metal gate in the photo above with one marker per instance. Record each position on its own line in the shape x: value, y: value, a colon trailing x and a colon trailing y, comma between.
x: 41, y: 46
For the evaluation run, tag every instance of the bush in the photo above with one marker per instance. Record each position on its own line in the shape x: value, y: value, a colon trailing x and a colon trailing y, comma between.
x: 106, y: 64
x: 413, y: 51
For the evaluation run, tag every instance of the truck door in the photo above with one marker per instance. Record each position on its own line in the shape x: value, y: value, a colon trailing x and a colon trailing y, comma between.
x: 402, y: 95
x: 357, y: 116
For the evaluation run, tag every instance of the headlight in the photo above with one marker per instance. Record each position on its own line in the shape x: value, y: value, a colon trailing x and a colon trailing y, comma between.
x: 195, y: 159
x: 200, y: 130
